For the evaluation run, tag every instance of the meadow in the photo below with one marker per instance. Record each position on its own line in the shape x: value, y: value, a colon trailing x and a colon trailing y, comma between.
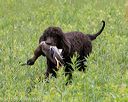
x: 21, y: 24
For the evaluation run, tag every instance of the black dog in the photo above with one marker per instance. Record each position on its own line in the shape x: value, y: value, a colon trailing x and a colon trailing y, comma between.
x: 70, y: 43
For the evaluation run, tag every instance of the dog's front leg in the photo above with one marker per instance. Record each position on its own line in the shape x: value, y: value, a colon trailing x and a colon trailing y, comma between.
x: 38, y: 52
x: 51, y: 69
x: 68, y: 73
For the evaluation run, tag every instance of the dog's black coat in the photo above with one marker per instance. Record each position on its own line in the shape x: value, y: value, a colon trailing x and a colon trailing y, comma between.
x: 70, y: 43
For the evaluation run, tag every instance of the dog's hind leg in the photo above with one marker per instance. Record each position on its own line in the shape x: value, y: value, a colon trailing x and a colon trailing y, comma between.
x: 81, y: 63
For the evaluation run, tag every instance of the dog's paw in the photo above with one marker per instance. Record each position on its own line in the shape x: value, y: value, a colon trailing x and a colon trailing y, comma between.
x: 30, y: 62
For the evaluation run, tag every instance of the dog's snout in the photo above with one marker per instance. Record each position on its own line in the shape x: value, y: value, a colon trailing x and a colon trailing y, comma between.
x: 48, y: 43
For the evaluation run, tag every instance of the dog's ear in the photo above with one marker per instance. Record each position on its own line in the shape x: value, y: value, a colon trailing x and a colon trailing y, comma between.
x: 66, y: 46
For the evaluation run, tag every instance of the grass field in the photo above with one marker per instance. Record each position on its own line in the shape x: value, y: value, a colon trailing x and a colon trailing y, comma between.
x: 21, y: 24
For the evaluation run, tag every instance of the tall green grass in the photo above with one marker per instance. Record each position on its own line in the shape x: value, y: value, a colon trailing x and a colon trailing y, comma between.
x: 21, y: 24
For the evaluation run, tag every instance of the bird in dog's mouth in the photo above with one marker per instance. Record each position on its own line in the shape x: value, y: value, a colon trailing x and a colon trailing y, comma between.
x: 52, y: 53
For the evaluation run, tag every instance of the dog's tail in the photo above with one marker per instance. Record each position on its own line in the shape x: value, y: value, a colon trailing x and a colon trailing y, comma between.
x: 93, y: 37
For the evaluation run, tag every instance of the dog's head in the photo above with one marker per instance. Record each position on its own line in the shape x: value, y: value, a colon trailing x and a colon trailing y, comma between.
x: 54, y: 36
